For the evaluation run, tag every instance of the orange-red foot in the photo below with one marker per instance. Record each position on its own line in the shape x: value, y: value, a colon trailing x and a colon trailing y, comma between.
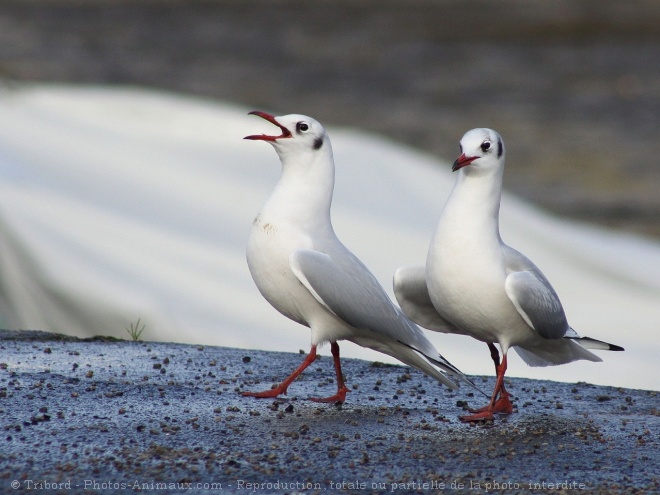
x: 484, y: 415
x: 340, y: 396
x: 481, y: 409
x: 266, y: 394
x: 503, y: 404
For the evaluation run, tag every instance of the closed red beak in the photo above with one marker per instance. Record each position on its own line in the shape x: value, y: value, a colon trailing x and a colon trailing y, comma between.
x: 462, y: 161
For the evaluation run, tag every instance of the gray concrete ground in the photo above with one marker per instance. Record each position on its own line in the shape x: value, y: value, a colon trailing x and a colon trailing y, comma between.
x: 101, y: 415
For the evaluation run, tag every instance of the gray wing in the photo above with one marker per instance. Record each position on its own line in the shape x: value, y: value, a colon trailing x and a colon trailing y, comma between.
x: 349, y: 290
x: 413, y: 296
x: 533, y: 296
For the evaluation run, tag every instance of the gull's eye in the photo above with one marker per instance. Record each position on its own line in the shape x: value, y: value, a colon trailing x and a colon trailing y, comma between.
x: 460, y: 147
x: 485, y: 146
x: 302, y: 127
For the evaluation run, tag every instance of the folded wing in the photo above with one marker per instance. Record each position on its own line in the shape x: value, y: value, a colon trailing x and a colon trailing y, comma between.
x: 352, y: 293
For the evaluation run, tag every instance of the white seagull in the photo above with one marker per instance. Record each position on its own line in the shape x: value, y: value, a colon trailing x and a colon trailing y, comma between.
x: 304, y: 271
x: 474, y: 284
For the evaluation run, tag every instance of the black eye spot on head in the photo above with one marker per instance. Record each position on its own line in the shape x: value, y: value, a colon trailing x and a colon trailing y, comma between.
x: 485, y: 146
x: 318, y: 142
x: 500, y: 149
x: 302, y: 127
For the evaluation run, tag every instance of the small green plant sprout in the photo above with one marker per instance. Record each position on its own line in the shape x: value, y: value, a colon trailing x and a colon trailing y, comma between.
x: 135, y: 330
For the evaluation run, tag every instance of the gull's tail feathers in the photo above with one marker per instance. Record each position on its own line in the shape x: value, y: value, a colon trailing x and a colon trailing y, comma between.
x: 446, y: 367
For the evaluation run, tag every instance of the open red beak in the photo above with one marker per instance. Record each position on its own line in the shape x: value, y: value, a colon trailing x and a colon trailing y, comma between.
x: 462, y: 161
x: 263, y: 137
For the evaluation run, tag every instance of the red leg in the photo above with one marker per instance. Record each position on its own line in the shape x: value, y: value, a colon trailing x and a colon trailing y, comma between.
x: 495, y: 356
x: 282, y: 387
x: 495, y: 405
x: 340, y: 396
x: 503, y: 404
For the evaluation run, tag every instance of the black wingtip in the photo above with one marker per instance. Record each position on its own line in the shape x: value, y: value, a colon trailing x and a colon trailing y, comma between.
x: 610, y: 347
x: 448, y: 367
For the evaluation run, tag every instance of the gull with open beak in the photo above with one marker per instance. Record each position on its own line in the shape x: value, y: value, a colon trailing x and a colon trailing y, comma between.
x: 304, y: 271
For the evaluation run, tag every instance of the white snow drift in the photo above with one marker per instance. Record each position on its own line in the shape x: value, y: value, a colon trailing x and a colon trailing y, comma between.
x: 119, y: 204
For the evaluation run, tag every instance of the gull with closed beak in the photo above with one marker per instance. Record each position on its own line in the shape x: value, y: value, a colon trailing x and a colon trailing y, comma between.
x: 474, y: 284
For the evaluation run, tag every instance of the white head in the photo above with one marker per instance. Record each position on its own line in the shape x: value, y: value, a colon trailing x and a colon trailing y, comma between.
x: 480, y: 149
x: 301, y: 135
